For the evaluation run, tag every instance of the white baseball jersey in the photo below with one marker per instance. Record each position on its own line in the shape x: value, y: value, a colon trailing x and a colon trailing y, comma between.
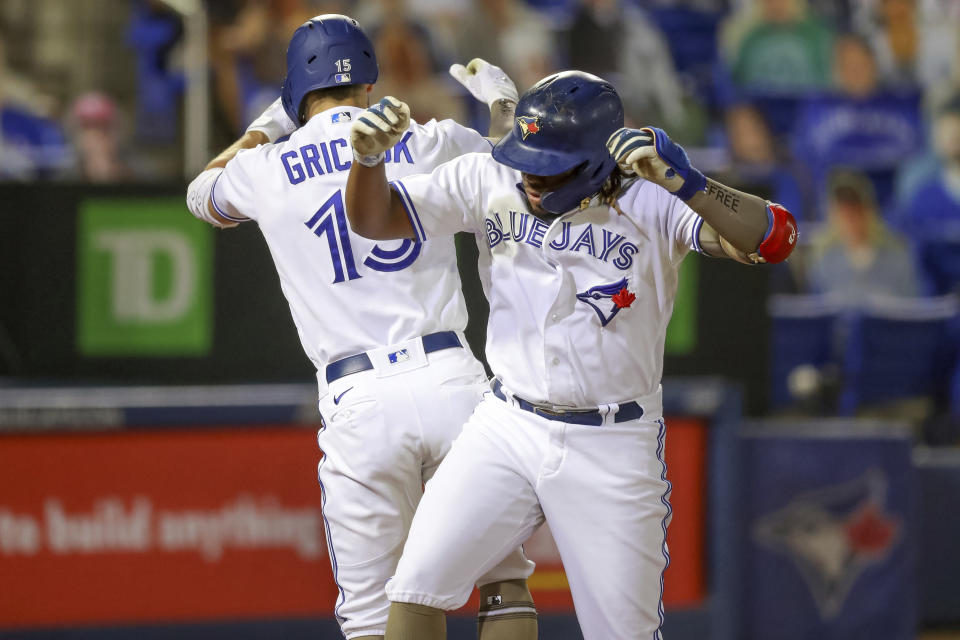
x: 385, y: 430
x: 579, y: 306
x: 331, y: 277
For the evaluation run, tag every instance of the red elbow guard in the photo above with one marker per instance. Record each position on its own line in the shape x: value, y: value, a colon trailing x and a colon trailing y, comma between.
x: 781, y: 235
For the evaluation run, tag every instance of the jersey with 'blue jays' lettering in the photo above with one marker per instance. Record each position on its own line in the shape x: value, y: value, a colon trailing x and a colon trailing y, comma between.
x: 579, y: 306
x: 332, y: 278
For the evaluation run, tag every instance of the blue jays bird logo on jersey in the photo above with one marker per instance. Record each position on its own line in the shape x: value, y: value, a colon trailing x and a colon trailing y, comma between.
x: 832, y: 535
x: 608, y: 299
x: 528, y: 125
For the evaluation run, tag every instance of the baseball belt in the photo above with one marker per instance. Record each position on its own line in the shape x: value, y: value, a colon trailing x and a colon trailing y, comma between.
x: 592, y: 417
x: 361, y: 362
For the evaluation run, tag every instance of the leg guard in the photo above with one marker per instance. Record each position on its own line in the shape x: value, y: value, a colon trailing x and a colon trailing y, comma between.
x: 415, y: 622
x: 506, y: 612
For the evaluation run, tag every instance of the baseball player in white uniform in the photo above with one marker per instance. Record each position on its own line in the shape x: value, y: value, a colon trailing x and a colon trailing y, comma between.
x: 583, y: 247
x: 382, y: 321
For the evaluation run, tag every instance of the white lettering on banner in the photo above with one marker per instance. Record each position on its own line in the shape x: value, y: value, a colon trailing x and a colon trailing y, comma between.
x: 134, y: 255
x: 110, y: 526
x: 19, y: 534
x: 107, y: 527
x: 243, y: 524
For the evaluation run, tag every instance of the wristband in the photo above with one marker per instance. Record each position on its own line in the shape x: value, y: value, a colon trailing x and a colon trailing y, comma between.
x: 369, y: 161
x: 200, y: 192
x: 694, y: 183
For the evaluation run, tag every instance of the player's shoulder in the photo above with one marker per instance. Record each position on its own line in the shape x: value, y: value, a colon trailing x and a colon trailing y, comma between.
x: 433, y: 127
x: 642, y: 198
x: 440, y: 129
x: 636, y: 192
x: 247, y: 159
x: 477, y: 163
x: 447, y: 132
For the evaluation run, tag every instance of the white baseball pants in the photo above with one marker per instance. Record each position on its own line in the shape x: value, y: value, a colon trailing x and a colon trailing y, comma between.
x: 384, y: 435
x: 603, y: 491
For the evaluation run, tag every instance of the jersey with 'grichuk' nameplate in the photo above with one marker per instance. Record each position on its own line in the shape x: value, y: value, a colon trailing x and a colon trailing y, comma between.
x: 347, y: 294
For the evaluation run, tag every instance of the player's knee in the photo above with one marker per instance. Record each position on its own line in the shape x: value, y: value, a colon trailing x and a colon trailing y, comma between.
x: 408, y: 621
x: 506, y: 611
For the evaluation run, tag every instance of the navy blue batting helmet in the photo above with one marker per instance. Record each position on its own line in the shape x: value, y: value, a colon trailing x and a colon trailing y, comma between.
x: 327, y: 51
x: 562, y: 123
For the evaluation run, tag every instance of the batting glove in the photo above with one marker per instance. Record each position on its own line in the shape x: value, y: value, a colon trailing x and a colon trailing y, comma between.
x: 273, y: 122
x: 378, y: 129
x: 488, y: 83
x: 652, y: 155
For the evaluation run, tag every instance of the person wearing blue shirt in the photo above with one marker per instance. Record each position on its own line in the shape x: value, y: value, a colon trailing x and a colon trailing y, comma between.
x: 31, y: 146
x: 858, y: 125
x: 934, y: 210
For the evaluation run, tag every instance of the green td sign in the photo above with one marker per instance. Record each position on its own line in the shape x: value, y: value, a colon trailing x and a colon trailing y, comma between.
x: 144, y: 287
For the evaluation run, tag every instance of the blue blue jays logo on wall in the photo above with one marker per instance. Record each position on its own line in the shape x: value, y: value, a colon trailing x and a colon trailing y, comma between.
x: 608, y: 299
x: 528, y: 125
x: 832, y: 535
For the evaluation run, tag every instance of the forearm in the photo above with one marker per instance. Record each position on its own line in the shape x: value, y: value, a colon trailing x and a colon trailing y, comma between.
x: 740, y: 218
x: 501, y: 118
x: 373, y: 208
x: 736, y: 224
x: 248, y: 140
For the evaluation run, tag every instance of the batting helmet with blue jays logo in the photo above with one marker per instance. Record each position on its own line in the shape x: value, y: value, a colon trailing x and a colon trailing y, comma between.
x: 326, y: 51
x: 563, y: 123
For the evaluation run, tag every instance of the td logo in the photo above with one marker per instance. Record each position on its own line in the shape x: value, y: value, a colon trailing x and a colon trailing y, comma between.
x: 144, y: 279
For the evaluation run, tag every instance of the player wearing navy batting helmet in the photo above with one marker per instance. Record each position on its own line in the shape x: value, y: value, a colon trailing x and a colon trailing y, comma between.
x: 584, y: 225
x: 314, y: 45
x: 382, y: 322
x: 562, y: 125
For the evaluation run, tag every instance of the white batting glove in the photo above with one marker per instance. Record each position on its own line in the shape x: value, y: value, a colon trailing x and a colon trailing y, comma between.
x: 488, y: 83
x: 377, y: 129
x: 273, y: 122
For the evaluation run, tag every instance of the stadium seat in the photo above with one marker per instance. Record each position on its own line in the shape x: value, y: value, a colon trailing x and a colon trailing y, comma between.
x: 899, y: 348
x: 939, y: 261
x: 692, y: 37
x: 802, y: 332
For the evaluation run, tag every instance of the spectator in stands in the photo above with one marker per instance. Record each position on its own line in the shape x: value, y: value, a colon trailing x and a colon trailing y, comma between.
x: 934, y: 210
x: 508, y: 32
x: 618, y: 42
x: 441, y: 18
x: 154, y: 32
x: 406, y: 69
x: 95, y: 133
x: 32, y: 146
x: 757, y: 159
x: 857, y: 255
x: 914, y: 42
x: 778, y: 47
x: 248, y: 41
x: 860, y: 124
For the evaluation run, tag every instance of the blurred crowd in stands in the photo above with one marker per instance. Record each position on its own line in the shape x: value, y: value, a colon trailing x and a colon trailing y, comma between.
x: 845, y: 111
